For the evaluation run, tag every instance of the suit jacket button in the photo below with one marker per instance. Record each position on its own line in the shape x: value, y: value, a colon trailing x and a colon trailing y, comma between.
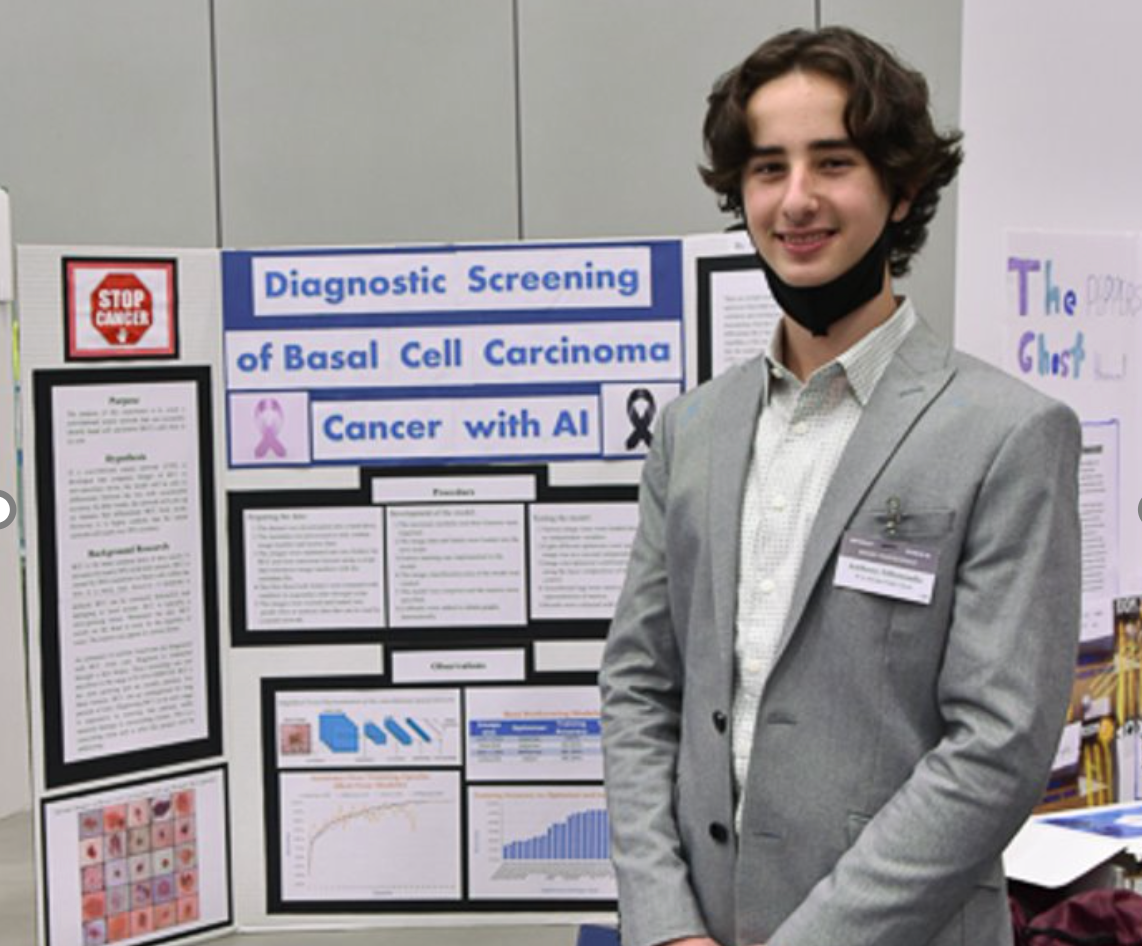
x: 719, y: 832
x: 720, y: 721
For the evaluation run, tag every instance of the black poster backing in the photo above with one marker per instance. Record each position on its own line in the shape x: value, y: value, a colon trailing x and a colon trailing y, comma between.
x: 59, y: 772
x: 175, y: 934
x: 707, y: 266
x: 272, y: 771
x: 239, y: 502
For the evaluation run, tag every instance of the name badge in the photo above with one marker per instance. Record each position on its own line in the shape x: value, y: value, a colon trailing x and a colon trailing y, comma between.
x: 887, y: 567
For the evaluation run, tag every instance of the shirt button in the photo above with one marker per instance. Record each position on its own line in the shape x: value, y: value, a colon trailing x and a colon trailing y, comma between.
x: 753, y: 665
x: 719, y: 832
x: 800, y: 428
x: 779, y: 503
x: 767, y: 586
x: 720, y: 721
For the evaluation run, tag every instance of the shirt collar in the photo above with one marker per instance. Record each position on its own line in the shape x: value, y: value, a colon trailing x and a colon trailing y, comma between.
x: 865, y: 362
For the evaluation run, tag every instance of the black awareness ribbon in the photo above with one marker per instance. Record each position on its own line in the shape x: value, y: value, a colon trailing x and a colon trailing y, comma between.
x: 640, y: 420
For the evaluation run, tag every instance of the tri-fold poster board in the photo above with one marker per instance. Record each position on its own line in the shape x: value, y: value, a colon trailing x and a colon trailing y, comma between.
x: 323, y: 547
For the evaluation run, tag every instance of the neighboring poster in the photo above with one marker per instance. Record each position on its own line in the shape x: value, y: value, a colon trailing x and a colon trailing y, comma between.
x: 441, y: 551
x: 1097, y: 762
x: 140, y: 863
x: 1069, y: 326
x: 129, y: 639
x: 1070, y: 318
x: 1099, y: 508
x: 1070, y: 322
x: 120, y: 308
x: 1127, y: 698
x: 446, y: 795
x: 450, y: 353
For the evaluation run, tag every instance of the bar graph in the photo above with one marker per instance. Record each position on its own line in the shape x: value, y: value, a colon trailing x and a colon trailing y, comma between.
x: 584, y: 836
x: 541, y: 842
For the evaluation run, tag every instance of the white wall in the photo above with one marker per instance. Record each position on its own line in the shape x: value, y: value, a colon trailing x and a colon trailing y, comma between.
x: 357, y: 121
x: 106, y: 129
x: 265, y: 122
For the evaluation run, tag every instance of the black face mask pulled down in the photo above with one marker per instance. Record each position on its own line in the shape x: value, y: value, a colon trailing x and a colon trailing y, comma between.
x: 818, y: 307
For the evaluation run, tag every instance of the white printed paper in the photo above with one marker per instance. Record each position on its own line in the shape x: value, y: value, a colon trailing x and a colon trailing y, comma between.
x: 454, y: 666
x: 1098, y: 508
x: 452, y: 489
x: 130, y: 565
x: 458, y: 565
x: 131, y: 863
x: 537, y: 843
x: 308, y: 569
x: 744, y: 316
x: 578, y: 556
x: 542, y: 733
x: 368, y: 728
x: 370, y: 836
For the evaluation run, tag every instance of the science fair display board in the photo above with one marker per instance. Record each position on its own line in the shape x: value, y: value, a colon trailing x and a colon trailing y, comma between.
x: 1049, y: 288
x: 323, y: 549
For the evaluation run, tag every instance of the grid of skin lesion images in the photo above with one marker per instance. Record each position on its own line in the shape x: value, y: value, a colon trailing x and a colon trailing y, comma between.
x: 138, y: 863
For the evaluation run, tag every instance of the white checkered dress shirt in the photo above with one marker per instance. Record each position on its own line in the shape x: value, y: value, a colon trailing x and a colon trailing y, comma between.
x: 798, y: 441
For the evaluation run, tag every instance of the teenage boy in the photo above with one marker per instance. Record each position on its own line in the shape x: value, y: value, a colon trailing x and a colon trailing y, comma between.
x: 838, y: 670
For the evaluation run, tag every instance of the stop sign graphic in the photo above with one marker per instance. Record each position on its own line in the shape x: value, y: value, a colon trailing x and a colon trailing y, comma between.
x: 122, y: 308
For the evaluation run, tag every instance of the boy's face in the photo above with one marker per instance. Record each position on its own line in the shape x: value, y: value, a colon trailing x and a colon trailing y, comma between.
x: 813, y: 203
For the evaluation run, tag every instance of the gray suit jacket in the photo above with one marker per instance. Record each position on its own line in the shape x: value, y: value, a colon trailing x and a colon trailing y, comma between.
x: 898, y: 745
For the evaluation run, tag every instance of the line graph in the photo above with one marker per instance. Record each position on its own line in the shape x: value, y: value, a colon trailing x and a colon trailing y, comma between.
x: 370, y: 836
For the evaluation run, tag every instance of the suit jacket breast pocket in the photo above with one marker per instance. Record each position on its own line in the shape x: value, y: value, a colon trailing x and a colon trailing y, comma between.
x: 932, y: 529
x: 909, y: 525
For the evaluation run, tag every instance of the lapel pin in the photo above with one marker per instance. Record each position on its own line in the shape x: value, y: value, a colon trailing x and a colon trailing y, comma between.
x: 892, y: 519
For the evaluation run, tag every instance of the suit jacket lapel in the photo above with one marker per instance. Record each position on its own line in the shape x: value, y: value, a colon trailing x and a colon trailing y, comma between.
x: 735, y: 418
x: 913, y: 378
